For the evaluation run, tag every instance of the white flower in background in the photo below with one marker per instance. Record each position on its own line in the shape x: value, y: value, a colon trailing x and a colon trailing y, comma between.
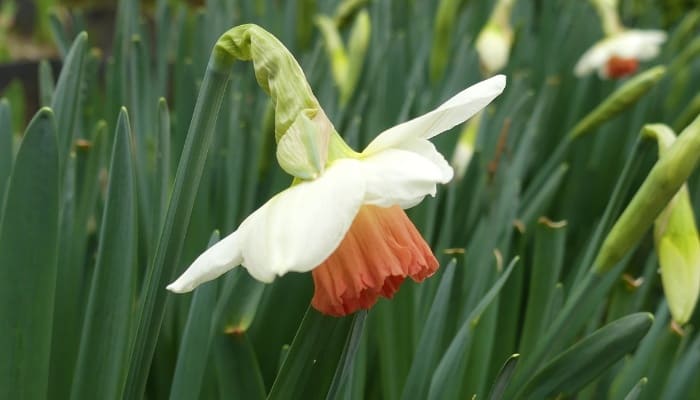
x: 493, y: 46
x: 496, y: 38
x: 343, y: 216
x: 619, y: 55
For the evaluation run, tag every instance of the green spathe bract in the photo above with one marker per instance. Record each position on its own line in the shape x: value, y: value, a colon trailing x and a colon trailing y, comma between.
x: 302, y: 130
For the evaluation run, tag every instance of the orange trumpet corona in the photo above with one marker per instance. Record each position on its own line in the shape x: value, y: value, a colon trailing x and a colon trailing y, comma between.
x: 619, y: 67
x: 380, y: 250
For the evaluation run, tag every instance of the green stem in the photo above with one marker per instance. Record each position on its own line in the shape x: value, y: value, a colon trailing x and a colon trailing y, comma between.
x: 609, y: 18
x: 501, y: 12
x: 153, y: 296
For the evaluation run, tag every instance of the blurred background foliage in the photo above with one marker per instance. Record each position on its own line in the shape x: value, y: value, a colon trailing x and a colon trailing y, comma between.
x: 96, y: 215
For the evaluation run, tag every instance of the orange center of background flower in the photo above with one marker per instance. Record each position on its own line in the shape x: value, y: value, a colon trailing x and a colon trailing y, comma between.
x: 380, y: 250
x: 619, y: 67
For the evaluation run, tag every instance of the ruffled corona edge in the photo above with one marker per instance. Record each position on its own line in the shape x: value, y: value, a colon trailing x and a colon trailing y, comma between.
x: 380, y: 250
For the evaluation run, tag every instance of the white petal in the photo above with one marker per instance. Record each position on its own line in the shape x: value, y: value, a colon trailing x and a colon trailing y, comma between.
x: 218, y: 259
x: 427, y: 149
x: 593, y: 59
x: 634, y: 43
x: 300, y: 227
x: 454, y: 111
x: 641, y: 44
x: 404, y: 176
x: 294, y: 231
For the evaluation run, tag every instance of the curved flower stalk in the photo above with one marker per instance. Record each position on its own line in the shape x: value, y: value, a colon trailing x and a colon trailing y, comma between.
x: 677, y: 243
x: 618, y: 54
x: 342, y: 218
x: 496, y: 38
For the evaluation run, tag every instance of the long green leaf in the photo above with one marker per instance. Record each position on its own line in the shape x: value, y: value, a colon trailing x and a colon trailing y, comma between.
x: 236, y: 367
x: 474, y: 382
x: 28, y: 251
x: 504, y: 375
x: 684, y: 373
x: 451, y: 367
x: 588, y: 290
x: 163, y: 167
x: 59, y: 35
x: 6, y: 146
x: 638, y: 390
x: 431, y: 338
x: 238, y: 301
x: 67, y: 101
x: 141, y: 105
x: 652, y: 359
x: 153, y: 295
x: 194, y: 348
x: 46, y: 83
x: 547, y: 264
x: 638, y: 366
x: 581, y: 363
x: 100, y: 369
x: 308, y: 369
x: 543, y: 196
x: 347, y: 359
x: 66, y: 96
x: 97, y: 152
x: 69, y: 282
x: 664, y: 355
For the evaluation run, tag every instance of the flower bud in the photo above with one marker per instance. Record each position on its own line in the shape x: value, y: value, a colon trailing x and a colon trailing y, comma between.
x: 493, y: 46
x: 621, y: 99
x: 495, y: 39
x: 661, y: 185
x: 676, y: 241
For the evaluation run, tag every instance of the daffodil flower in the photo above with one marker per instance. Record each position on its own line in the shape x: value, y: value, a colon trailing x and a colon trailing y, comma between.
x: 618, y: 55
x: 343, y: 217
